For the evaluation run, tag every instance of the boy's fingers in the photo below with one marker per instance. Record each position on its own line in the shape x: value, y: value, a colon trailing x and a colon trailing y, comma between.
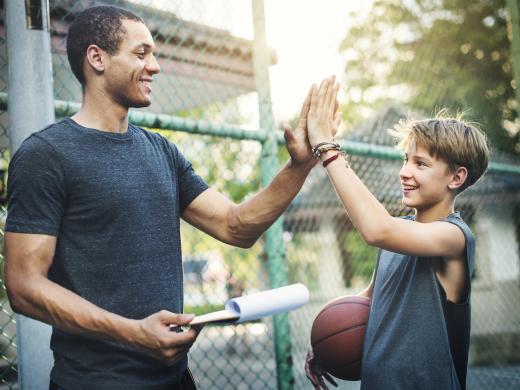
x: 329, y: 378
x: 331, y: 95
x: 314, y: 98
x: 322, y: 94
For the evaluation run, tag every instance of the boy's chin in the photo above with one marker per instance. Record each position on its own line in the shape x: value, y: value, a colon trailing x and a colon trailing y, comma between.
x: 408, y: 203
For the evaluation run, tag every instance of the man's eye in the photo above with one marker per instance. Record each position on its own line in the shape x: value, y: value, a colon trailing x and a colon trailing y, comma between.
x: 140, y: 56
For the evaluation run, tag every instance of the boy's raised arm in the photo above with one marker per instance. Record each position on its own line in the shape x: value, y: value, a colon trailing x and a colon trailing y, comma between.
x: 375, y: 224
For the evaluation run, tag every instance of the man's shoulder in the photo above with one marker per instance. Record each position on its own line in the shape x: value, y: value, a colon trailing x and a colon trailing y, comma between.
x: 155, y: 138
x: 52, y: 133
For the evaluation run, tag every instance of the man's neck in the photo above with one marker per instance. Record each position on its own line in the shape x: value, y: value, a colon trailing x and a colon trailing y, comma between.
x: 99, y: 111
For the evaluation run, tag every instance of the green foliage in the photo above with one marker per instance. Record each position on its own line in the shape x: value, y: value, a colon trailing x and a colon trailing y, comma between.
x: 362, y: 257
x: 303, y: 261
x: 433, y: 54
x: 202, y: 309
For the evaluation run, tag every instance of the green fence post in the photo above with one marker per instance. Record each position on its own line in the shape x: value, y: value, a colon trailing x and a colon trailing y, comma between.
x: 274, y: 245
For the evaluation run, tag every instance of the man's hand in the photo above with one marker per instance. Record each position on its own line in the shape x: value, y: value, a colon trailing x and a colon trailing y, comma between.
x: 323, y: 118
x: 296, y: 141
x: 316, y: 373
x: 157, y: 339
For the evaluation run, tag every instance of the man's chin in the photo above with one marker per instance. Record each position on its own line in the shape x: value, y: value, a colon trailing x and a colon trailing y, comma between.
x: 140, y: 104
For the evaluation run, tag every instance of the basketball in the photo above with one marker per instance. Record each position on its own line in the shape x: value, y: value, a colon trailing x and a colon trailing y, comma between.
x: 337, y: 336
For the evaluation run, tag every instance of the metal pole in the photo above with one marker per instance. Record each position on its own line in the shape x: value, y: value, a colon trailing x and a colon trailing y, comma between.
x: 30, y: 109
x: 275, y: 248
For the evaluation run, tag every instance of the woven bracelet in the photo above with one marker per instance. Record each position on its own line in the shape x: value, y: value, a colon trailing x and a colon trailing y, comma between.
x: 330, y: 159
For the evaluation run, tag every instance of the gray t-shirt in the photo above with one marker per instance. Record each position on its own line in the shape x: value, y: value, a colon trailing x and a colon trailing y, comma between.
x: 415, y: 338
x: 114, y: 203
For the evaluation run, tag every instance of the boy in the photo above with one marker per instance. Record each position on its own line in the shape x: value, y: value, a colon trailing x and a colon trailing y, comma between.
x: 418, y: 330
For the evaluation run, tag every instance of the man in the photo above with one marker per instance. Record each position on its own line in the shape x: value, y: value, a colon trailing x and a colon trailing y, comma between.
x: 92, y: 236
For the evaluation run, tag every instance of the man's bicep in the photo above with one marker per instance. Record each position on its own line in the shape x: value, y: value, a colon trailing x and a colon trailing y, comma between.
x: 210, y: 212
x: 28, y: 253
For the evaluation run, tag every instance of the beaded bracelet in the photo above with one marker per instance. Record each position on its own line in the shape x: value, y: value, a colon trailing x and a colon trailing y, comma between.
x: 324, y: 147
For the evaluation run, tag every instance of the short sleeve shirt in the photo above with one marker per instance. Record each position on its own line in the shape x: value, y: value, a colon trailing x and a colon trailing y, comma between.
x: 114, y: 202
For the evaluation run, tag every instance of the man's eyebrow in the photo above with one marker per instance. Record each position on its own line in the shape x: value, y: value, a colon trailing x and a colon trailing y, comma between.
x: 144, y: 46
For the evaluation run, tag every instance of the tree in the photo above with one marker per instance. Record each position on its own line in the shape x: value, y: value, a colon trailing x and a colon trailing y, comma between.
x: 430, y: 54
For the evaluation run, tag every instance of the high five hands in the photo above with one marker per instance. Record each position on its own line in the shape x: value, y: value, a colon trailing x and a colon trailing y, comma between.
x: 323, y: 119
x: 319, y: 121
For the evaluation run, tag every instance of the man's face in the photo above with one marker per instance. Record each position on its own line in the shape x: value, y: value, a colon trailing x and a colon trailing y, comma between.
x: 129, y: 73
x: 424, y: 178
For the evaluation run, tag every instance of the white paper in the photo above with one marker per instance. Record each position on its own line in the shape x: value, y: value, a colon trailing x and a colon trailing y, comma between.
x: 268, y: 303
x: 254, y: 306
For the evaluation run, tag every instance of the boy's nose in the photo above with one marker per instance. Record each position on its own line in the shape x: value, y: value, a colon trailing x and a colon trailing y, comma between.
x: 404, y: 172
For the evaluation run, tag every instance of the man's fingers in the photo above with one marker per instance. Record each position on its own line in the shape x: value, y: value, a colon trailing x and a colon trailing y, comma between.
x: 288, y: 134
x: 167, y: 317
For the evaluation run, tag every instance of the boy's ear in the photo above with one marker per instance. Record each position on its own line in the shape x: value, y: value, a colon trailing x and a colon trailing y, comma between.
x: 458, y: 178
x: 95, y: 58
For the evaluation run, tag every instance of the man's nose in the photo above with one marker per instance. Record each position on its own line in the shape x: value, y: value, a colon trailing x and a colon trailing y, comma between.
x: 153, y: 66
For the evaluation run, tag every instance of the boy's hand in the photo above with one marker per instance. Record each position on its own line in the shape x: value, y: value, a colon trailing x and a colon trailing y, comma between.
x: 323, y: 119
x: 316, y: 373
x: 296, y: 141
x: 155, y: 337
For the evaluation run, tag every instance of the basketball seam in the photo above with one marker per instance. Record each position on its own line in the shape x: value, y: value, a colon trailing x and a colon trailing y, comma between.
x: 339, y: 331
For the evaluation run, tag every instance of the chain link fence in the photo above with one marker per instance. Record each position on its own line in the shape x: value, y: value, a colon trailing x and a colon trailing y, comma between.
x: 208, y: 75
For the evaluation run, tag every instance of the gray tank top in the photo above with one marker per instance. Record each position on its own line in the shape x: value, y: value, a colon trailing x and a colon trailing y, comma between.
x: 415, y: 338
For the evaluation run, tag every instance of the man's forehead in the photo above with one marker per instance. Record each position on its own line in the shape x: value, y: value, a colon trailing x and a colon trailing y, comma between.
x: 137, y: 34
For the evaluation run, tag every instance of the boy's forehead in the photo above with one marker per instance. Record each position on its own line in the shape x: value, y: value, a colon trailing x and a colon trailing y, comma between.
x: 418, y: 150
x: 137, y: 34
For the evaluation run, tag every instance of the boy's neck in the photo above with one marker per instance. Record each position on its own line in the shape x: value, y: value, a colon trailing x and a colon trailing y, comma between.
x: 436, y: 212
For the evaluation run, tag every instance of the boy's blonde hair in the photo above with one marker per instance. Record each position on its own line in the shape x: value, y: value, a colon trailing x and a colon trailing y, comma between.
x: 453, y: 140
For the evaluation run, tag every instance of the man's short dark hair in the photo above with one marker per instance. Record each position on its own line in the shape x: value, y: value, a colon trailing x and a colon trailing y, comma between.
x: 101, y: 26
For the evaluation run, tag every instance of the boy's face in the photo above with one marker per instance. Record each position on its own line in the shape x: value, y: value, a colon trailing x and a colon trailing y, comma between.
x: 424, y: 179
x: 129, y: 73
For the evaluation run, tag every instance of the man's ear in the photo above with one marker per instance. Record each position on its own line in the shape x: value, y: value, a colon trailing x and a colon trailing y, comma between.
x: 95, y: 58
x: 458, y: 178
